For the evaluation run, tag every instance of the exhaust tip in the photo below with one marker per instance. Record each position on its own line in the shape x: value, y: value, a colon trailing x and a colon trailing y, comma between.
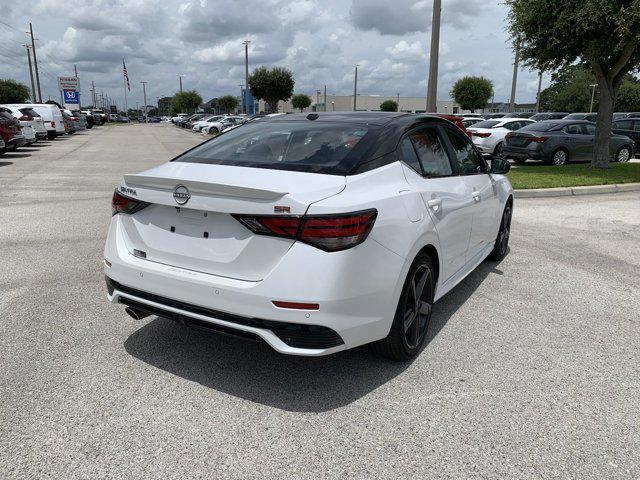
x: 135, y: 313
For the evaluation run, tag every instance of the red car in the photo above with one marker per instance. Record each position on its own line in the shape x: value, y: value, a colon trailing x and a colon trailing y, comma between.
x: 457, y: 121
x: 10, y: 130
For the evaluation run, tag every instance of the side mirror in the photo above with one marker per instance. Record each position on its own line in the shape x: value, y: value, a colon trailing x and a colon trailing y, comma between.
x: 500, y: 165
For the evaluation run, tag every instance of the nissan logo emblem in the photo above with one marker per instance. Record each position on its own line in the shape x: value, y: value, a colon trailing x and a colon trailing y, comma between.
x: 181, y: 194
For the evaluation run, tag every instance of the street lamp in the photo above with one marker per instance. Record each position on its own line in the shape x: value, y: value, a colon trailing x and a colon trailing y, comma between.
x: 355, y: 86
x: 593, y: 94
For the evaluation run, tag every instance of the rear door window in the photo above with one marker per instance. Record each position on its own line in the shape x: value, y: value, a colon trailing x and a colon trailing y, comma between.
x: 469, y: 162
x: 575, y: 129
x: 589, y: 129
x: 623, y: 124
x: 432, y: 154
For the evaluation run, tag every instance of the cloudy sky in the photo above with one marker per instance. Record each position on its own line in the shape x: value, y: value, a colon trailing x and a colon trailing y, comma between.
x: 319, y: 40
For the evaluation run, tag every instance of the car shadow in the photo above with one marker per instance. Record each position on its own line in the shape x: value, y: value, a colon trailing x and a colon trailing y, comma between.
x: 5, y: 164
x: 13, y: 155
x: 254, y: 372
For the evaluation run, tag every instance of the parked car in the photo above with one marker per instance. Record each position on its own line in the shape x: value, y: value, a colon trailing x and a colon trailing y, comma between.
x: 468, y: 121
x: 2, y: 149
x: 633, y: 114
x: 198, y: 125
x: 457, y: 121
x: 519, y: 115
x: 560, y: 141
x: 538, y: 117
x: 189, y: 121
x: 576, y: 116
x: 70, y: 123
x: 178, y: 117
x: 93, y: 119
x: 31, y: 123
x: 617, y: 115
x: 10, y: 130
x: 489, y: 135
x: 51, y: 116
x: 79, y: 119
x: 223, y: 124
x: 491, y: 116
x: 100, y: 115
x: 225, y: 235
x: 629, y: 127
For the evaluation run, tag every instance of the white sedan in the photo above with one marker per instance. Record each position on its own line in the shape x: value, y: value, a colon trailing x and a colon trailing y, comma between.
x: 311, y: 232
x: 200, y: 124
x: 223, y: 124
x: 489, y: 135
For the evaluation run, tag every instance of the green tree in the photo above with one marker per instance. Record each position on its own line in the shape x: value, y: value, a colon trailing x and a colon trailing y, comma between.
x: 570, y: 90
x: 604, y: 34
x: 186, y: 102
x: 271, y: 85
x: 227, y: 103
x: 472, y: 92
x: 628, y: 99
x: 389, y: 106
x: 13, y: 92
x: 300, y: 101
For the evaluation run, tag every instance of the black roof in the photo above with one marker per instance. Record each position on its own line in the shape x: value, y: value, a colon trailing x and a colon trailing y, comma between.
x: 373, y: 118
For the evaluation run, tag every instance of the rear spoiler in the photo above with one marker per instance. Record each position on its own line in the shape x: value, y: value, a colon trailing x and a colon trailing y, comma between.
x: 201, y: 188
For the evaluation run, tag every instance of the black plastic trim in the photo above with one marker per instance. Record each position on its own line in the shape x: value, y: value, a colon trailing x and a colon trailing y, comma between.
x: 293, y: 334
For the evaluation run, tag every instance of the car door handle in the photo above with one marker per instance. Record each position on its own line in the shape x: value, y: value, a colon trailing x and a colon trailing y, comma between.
x: 476, y: 196
x: 434, y: 204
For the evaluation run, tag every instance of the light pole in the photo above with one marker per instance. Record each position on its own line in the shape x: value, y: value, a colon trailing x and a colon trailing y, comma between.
x: 246, y: 75
x: 432, y: 85
x: 317, y: 100
x: 144, y: 96
x: 333, y: 106
x: 514, y: 80
x: 355, y: 87
x: 35, y: 61
x: 593, y: 96
x: 242, y: 106
x: 180, y: 78
x: 398, y: 102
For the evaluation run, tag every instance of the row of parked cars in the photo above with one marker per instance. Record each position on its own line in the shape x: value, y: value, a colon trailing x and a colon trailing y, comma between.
x: 215, y: 124
x: 552, y: 137
x: 25, y: 123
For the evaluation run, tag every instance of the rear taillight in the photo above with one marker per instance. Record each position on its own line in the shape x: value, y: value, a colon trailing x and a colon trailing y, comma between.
x: 539, y: 139
x: 481, y: 134
x: 122, y: 204
x: 53, y: 124
x: 73, y: 119
x: 25, y: 118
x: 330, y: 233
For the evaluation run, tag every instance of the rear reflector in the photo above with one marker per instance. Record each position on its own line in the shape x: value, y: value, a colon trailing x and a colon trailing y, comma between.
x: 122, y: 204
x: 330, y: 233
x: 296, y: 305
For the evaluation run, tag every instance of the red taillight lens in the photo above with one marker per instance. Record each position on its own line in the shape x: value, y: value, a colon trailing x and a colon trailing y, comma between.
x: 25, y: 118
x: 53, y: 124
x: 481, y: 134
x: 330, y: 233
x: 122, y: 204
x: 73, y: 119
x: 539, y: 139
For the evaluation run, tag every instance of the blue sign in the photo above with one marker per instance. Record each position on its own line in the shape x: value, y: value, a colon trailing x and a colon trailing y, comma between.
x: 70, y: 96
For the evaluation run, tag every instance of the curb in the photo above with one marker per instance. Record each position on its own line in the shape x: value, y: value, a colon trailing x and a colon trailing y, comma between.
x: 571, y: 191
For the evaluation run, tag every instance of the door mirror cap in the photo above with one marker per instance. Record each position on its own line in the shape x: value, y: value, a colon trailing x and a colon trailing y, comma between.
x: 499, y: 165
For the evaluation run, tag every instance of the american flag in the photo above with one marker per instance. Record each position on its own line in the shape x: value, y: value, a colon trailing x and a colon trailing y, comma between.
x: 126, y: 75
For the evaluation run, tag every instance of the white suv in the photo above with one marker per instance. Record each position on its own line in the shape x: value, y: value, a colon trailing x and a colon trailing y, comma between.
x: 312, y: 232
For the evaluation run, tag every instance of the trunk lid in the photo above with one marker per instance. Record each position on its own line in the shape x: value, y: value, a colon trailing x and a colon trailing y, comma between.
x: 201, y: 234
x: 519, y: 139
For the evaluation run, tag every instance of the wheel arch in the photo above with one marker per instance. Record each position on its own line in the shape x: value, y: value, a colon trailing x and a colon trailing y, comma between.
x: 432, y: 252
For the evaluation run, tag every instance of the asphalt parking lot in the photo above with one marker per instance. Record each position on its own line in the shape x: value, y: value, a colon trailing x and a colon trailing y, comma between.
x: 531, y: 370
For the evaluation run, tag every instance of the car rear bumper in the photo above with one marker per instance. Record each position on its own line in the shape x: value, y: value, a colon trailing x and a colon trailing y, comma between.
x: 17, y: 141
x: 529, y: 152
x: 355, y: 289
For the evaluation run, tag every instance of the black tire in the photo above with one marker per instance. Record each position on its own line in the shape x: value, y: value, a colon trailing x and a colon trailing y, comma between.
x: 214, y: 131
x: 556, y: 157
x: 626, y: 157
x: 497, y: 151
x: 501, y: 246
x: 409, y: 329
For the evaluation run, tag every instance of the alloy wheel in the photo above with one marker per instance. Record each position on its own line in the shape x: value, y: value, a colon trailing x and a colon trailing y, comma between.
x: 505, y: 231
x: 560, y: 157
x: 624, y: 155
x: 417, y: 307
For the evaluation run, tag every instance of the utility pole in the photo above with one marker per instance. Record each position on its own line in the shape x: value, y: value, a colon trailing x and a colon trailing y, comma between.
x: 317, y: 100
x: 355, y: 87
x: 242, y: 105
x: 144, y: 94
x: 35, y: 62
x: 325, y: 98
x: 75, y: 70
x: 93, y: 95
x: 593, y: 96
x: 539, y: 89
x: 33, y: 87
x: 398, y: 101
x: 512, y: 102
x: 246, y: 75
x: 432, y: 85
x: 180, y: 77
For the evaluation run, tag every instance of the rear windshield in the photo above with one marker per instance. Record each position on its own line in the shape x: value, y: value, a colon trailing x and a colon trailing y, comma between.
x: 304, y: 146
x: 30, y: 112
x: 486, y: 124
x: 543, y: 126
x: 540, y: 116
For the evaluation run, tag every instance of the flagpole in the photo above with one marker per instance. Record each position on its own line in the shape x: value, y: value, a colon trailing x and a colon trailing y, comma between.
x: 124, y: 82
